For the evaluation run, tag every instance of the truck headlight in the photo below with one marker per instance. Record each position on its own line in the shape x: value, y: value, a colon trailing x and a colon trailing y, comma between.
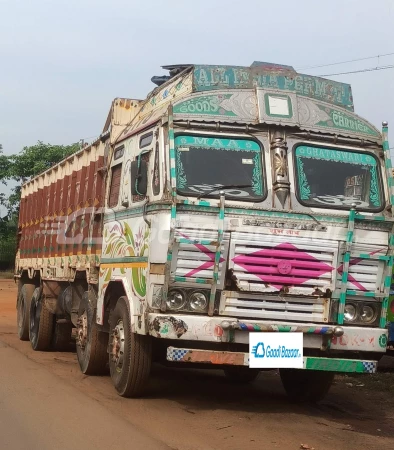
x: 350, y: 312
x: 175, y: 299
x: 367, y: 313
x: 198, y: 301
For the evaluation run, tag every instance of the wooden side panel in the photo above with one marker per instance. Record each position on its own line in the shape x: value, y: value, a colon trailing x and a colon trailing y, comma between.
x: 57, y: 207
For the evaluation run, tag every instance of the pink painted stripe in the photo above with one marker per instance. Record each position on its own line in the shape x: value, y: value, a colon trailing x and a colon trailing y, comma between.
x: 293, y: 272
x: 275, y: 261
x: 285, y: 280
x: 284, y: 254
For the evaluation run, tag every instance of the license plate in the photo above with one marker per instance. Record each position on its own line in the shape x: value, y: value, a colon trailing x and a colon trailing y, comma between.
x: 276, y: 350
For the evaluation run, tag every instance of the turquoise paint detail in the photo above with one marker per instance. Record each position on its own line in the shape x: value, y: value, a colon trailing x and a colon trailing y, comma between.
x: 305, y: 152
x: 387, y: 281
x: 185, y: 142
x: 342, y: 121
x: 349, y: 238
x: 344, y: 156
x: 284, y: 78
x: 374, y: 187
x: 205, y: 105
x: 191, y: 241
x: 219, y: 143
x: 388, y: 164
x: 172, y: 153
x: 257, y: 181
x: 182, y: 180
x: 267, y: 97
x: 385, y: 143
x: 383, y: 340
x: 364, y: 294
x: 173, y: 172
x: 305, y: 190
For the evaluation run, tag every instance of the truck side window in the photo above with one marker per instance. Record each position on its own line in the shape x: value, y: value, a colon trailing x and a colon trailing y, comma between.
x: 146, y: 139
x: 139, y: 198
x: 115, y: 186
x: 156, y: 172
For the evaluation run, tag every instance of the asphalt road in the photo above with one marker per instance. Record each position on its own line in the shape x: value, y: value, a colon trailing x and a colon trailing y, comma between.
x: 38, y: 411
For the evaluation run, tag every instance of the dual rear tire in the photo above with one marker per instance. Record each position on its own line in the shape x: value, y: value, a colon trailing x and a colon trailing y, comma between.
x: 41, y: 322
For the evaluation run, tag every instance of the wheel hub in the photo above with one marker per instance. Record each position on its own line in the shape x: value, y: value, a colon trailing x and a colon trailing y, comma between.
x: 117, y: 346
x: 82, y: 330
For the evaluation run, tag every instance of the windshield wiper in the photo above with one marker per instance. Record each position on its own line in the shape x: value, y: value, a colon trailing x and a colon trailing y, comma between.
x: 224, y: 186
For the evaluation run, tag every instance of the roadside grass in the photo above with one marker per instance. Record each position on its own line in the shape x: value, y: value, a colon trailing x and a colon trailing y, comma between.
x: 6, y: 275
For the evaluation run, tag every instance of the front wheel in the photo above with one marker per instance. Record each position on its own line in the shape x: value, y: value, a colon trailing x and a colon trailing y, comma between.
x: 306, y: 385
x: 130, y: 354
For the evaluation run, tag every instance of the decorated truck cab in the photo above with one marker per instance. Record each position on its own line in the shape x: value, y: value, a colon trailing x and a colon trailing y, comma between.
x: 231, y: 201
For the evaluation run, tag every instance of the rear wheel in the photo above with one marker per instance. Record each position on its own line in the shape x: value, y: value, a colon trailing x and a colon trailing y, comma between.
x: 240, y: 374
x: 41, y: 322
x: 25, y: 294
x: 306, y: 385
x: 130, y: 355
x: 91, y: 342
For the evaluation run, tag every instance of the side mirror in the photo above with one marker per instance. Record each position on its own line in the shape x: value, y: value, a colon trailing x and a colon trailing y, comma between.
x: 139, y: 176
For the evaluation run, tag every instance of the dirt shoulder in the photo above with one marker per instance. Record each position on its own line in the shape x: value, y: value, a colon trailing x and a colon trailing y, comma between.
x: 200, y: 410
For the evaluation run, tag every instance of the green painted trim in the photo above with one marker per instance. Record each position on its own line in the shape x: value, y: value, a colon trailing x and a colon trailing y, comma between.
x: 338, y: 365
x: 195, y: 241
x: 125, y: 259
x: 357, y: 294
x: 178, y: 279
x: 205, y: 207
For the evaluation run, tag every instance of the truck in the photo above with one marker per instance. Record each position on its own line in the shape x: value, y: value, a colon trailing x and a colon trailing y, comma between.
x: 238, y: 218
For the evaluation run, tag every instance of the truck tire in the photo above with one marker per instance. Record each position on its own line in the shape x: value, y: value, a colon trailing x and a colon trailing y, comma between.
x: 306, y: 385
x: 130, y: 354
x: 91, y: 342
x: 41, y: 322
x: 241, y: 375
x: 62, y: 340
x: 25, y: 293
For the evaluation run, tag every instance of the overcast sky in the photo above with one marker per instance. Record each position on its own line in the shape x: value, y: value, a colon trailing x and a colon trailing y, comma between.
x: 62, y: 62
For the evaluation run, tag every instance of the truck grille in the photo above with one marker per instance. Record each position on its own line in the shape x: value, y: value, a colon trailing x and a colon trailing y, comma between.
x: 291, y: 265
x: 239, y: 304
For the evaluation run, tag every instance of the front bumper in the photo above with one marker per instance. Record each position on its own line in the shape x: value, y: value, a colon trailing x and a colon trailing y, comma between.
x: 188, y: 327
x: 188, y: 355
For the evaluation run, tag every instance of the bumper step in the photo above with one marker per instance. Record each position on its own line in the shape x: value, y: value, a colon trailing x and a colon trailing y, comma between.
x: 189, y: 355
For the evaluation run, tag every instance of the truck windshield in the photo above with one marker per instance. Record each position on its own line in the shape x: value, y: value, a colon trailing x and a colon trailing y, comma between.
x: 204, y: 162
x: 336, y: 178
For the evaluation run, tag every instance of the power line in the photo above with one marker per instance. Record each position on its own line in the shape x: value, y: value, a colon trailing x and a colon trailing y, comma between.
x: 346, y: 62
x: 371, y: 69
